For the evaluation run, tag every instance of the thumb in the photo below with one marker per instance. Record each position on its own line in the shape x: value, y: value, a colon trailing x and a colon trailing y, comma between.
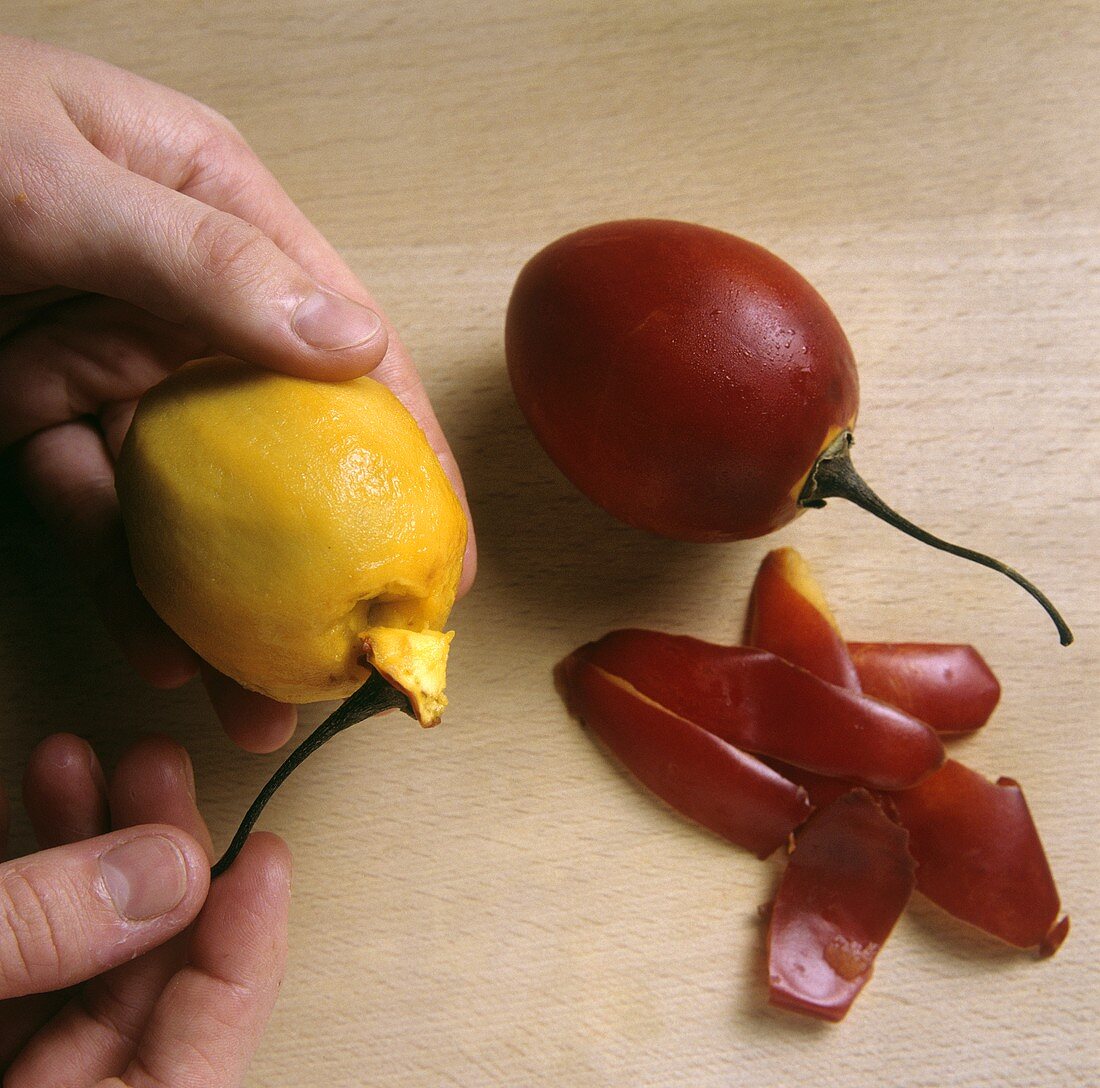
x: 75, y: 911
x: 123, y: 235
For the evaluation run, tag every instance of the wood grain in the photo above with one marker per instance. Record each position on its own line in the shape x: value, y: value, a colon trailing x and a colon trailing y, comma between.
x: 493, y: 903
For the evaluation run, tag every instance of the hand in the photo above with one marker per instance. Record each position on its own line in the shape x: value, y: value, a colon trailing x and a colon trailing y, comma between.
x: 137, y: 231
x: 100, y: 976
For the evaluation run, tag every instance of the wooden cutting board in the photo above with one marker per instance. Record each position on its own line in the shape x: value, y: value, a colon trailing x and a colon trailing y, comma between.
x: 493, y: 903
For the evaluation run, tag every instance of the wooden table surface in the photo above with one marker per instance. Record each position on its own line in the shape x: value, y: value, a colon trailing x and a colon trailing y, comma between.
x: 492, y: 902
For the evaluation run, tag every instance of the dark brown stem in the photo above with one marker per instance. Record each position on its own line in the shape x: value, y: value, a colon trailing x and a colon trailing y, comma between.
x: 834, y: 477
x: 372, y: 698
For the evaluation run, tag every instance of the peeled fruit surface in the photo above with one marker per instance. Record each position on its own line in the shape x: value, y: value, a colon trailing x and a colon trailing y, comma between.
x: 683, y: 378
x: 277, y: 524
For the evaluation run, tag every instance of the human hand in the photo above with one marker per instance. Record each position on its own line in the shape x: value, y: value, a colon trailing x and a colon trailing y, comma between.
x: 137, y: 231
x: 101, y: 980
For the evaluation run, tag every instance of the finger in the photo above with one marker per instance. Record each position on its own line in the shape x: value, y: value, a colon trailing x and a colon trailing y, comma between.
x: 96, y: 1034
x: 253, y: 721
x: 398, y: 372
x: 114, y: 422
x: 209, y: 160
x: 182, y: 144
x: 217, y: 167
x: 154, y: 782
x: 78, y: 356
x: 20, y: 1018
x: 27, y: 305
x: 228, y: 175
x: 122, y: 235
x: 64, y: 791
x: 226, y: 219
x: 5, y: 822
x: 69, y: 478
x: 245, y: 232
x: 209, y: 1019
x: 78, y: 910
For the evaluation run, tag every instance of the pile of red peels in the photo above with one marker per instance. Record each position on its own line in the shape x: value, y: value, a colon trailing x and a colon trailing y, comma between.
x: 835, y: 750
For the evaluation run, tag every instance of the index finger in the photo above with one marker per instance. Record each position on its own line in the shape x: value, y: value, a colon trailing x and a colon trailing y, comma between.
x: 210, y: 1017
x: 177, y: 141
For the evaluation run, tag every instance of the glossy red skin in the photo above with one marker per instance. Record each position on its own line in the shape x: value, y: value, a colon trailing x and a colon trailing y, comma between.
x: 948, y: 686
x: 781, y: 620
x: 683, y: 378
x: 763, y: 704
x: 979, y: 855
x: 979, y: 852
x: 844, y: 888
x: 697, y: 773
x: 822, y: 789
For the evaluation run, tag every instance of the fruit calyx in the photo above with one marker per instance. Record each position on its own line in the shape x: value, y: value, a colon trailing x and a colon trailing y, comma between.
x: 833, y: 476
x: 413, y: 662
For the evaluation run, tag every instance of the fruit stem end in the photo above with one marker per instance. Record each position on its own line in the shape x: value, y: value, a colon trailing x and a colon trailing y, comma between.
x: 372, y: 698
x: 834, y: 477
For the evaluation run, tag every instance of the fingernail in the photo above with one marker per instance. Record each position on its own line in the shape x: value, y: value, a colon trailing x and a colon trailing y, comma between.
x: 187, y: 771
x: 145, y: 877
x: 189, y: 777
x: 332, y: 322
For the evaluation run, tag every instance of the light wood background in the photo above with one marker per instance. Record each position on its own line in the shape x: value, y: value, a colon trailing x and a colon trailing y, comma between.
x: 493, y: 903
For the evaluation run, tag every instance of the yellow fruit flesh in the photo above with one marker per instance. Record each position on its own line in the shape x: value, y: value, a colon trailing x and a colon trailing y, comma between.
x: 797, y: 574
x: 272, y: 520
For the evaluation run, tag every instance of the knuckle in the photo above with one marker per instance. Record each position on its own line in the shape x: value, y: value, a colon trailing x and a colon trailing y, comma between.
x: 213, y: 139
x: 217, y: 125
x: 30, y: 954
x: 217, y: 153
x: 86, y: 511
x: 82, y: 504
x: 228, y: 249
x: 219, y: 160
